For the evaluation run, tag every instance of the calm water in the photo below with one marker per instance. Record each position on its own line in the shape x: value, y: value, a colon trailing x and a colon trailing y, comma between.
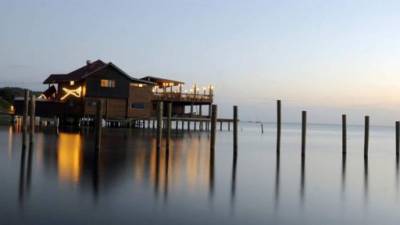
x: 60, y: 180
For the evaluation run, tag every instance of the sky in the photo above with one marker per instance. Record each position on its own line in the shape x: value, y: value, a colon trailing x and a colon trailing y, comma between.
x: 326, y: 57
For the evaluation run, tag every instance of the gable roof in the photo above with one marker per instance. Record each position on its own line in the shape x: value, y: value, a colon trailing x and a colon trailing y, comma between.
x: 87, y: 70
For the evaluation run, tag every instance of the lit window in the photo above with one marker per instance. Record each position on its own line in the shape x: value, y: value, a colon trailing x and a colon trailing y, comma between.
x: 107, y: 83
x: 137, y: 85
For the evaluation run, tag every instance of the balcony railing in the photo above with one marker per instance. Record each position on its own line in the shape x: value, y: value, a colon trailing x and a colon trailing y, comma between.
x: 183, y: 97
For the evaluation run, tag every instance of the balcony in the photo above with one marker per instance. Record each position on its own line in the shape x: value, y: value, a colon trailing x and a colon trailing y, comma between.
x: 183, y: 97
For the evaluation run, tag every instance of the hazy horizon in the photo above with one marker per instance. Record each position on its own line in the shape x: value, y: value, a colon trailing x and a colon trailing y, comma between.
x: 325, y: 57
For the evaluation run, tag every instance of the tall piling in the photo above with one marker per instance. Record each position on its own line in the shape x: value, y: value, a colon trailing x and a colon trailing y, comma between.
x: 344, y: 134
x: 366, y: 136
x: 98, y: 126
x: 213, y: 126
x: 169, y: 123
x: 25, y: 118
x: 32, y: 111
x: 159, y: 124
x: 235, y: 129
x: 278, y: 126
x: 262, y: 128
x: 397, y: 137
x: 303, y: 132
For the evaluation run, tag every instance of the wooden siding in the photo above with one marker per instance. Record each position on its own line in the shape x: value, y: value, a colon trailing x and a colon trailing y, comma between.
x: 140, y: 96
x: 121, y: 89
x: 113, y: 108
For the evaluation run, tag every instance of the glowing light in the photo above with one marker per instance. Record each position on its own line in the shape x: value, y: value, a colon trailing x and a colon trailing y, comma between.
x: 72, y: 83
x: 42, y: 96
x: 73, y: 92
x: 12, y: 108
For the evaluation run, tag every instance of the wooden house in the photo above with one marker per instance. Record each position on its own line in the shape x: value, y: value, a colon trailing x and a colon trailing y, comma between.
x: 75, y: 94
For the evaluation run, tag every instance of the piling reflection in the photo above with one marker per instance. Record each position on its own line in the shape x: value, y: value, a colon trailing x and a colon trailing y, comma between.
x: 25, y: 173
x: 366, y: 179
x: 277, y: 179
x: 397, y: 173
x: 302, y: 179
x: 71, y: 157
x: 343, y: 183
x: 233, y: 180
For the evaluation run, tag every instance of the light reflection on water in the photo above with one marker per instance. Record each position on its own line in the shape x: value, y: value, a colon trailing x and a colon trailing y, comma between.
x: 62, y: 179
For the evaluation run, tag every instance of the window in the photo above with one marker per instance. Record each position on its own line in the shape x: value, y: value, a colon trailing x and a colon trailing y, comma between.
x: 137, y: 105
x: 138, y: 85
x: 107, y: 83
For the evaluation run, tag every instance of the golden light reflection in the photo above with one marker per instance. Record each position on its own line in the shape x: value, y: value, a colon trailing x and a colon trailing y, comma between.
x: 10, y: 141
x: 187, y: 164
x: 69, y: 157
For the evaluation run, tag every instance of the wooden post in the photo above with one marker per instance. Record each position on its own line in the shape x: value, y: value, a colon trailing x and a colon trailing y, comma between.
x: 182, y: 124
x: 397, y: 137
x: 262, y: 128
x: 169, y: 123
x: 278, y: 126
x: 366, y: 136
x: 32, y: 117
x: 213, y: 126
x: 25, y: 118
x: 188, y: 124
x: 220, y: 125
x: 159, y: 123
x: 98, y: 126
x: 235, y: 128
x: 229, y: 126
x: 344, y: 134
x: 303, y: 132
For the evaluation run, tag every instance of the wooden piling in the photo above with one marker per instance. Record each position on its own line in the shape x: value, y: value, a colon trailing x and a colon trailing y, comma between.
x: 262, y: 128
x: 303, y: 132
x: 25, y: 118
x: 235, y: 128
x: 344, y: 134
x: 278, y: 126
x: 159, y: 124
x: 366, y: 136
x: 169, y: 123
x: 98, y: 126
x: 397, y: 137
x: 229, y: 126
x: 32, y: 111
x: 213, y: 126
x: 220, y: 125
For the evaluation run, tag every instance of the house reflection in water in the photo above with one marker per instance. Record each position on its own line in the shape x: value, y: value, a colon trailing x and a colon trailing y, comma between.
x: 131, y: 154
x: 69, y: 157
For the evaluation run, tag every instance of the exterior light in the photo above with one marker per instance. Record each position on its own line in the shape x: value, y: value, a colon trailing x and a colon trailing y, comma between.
x: 74, y: 92
x: 71, y: 83
x: 12, y: 108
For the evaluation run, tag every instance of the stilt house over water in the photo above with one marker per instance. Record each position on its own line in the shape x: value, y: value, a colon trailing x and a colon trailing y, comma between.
x: 75, y: 94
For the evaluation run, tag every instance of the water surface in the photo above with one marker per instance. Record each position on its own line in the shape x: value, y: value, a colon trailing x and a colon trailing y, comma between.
x: 62, y: 180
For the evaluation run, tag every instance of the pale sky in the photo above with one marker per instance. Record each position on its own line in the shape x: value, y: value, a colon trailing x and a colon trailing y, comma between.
x: 327, y: 57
